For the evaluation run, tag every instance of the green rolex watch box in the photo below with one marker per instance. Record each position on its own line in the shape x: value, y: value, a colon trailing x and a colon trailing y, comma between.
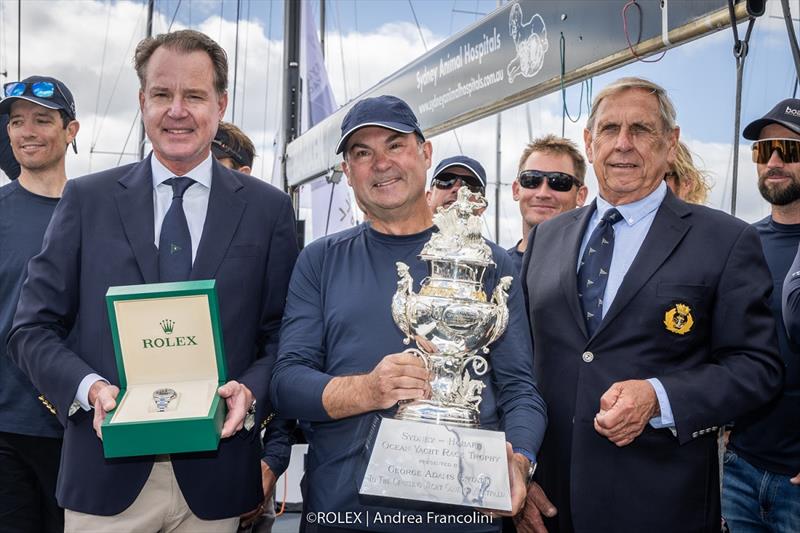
x: 170, y: 356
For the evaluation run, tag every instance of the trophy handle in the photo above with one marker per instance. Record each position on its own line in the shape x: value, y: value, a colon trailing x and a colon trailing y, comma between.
x: 422, y: 355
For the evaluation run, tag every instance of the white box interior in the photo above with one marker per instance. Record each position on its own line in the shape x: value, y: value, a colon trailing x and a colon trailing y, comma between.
x: 189, y: 368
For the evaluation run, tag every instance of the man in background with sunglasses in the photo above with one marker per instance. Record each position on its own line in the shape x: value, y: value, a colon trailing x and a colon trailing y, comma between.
x: 550, y: 182
x: 450, y: 175
x: 41, y: 127
x: 651, y: 330
x: 762, y: 462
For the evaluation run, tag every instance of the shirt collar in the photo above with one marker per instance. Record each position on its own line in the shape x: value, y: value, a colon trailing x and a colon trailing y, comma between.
x: 201, y: 173
x: 636, y: 211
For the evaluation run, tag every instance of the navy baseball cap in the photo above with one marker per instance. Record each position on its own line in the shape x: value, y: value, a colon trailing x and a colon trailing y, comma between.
x: 463, y: 162
x: 42, y: 90
x: 786, y: 113
x: 385, y: 111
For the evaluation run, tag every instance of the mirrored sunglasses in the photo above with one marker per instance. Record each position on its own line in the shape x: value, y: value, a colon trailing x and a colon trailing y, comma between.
x: 788, y: 150
x: 446, y: 181
x: 558, y: 181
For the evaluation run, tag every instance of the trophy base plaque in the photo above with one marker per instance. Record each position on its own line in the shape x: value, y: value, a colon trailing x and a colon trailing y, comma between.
x: 438, y: 463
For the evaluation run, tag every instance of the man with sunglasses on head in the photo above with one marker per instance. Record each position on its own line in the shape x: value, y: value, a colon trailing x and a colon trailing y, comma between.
x: 550, y: 182
x: 232, y: 148
x: 177, y: 215
x: 651, y: 326
x: 41, y: 127
x: 450, y: 175
x: 761, y: 481
x: 341, y: 364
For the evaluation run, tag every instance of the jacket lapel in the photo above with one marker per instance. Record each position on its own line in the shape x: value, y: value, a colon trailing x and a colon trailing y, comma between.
x: 572, y: 235
x: 225, y: 209
x: 668, y: 228
x: 135, y: 204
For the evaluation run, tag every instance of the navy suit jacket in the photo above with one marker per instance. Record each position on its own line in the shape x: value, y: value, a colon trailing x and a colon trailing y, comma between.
x: 721, y: 367
x: 102, y: 235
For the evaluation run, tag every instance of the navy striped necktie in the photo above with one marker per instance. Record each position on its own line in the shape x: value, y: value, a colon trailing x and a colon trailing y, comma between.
x: 175, y: 241
x: 593, y: 271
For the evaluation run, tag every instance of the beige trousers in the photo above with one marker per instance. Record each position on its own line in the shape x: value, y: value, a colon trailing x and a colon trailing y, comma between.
x: 160, y: 507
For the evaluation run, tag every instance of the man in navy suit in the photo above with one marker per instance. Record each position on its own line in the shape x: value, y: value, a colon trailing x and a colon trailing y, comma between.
x: 120, y: 227
x: 650, y: 331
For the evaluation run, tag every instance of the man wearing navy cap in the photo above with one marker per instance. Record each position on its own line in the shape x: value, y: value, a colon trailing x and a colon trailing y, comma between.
x: 761, y: 481
x: 450, y: 175
x: 341, y: 364
x: 41, y: 126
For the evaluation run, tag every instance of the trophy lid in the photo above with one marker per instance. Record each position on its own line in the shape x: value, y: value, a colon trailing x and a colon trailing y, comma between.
x: 459, y: 237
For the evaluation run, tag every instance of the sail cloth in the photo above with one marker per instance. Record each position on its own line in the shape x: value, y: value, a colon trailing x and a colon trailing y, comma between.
x: 332, y: 205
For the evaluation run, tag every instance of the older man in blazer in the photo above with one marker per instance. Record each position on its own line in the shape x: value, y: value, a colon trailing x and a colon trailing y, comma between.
x: 177, y: 215
x: 650, y: 331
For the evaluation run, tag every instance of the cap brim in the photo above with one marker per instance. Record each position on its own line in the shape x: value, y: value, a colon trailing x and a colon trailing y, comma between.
x: 753, y: 130
x: 462, y: 165
x: 394, y: 126
x: 5, y: 103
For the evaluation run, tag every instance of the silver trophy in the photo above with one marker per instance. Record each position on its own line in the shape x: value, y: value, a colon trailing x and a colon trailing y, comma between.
x: 450, y: 319
x: 433, y: 450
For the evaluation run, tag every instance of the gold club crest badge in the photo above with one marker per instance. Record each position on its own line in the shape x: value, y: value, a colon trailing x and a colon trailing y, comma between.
x: 678, y: 319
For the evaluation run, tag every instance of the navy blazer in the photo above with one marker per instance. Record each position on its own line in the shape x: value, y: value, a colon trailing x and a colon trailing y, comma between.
x: 102, y: 235
x: 714, y: 369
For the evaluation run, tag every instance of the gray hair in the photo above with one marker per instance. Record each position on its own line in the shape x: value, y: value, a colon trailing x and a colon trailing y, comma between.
x: 665, y: 105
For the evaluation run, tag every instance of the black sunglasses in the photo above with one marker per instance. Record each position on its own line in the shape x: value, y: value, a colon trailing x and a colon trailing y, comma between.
x: 446, y: 181
x: 788, y: 150
x: 558, y: 181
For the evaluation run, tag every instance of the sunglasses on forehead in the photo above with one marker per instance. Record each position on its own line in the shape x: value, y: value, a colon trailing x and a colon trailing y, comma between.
x: 558, y: 181
x: 788, y: 150
x: 39, y: 89
x: 446, y: 181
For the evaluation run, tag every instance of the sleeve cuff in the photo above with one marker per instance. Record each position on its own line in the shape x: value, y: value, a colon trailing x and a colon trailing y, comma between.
x: 666, y: 419
x: 82, y: 396
x: 531, y: 457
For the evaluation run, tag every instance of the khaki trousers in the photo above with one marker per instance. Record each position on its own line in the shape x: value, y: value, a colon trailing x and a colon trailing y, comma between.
x: 160, y: 507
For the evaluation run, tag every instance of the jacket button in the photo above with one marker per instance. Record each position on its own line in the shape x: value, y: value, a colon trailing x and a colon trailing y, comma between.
x: 587, y: 357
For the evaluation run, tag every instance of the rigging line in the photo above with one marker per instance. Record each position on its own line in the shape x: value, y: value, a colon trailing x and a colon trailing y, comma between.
x: 452, y: 16
x: 266, y: 90
x: 740, y: 54
x: 358, y: 56
x: 2, y: 41
x: 244, y: 67
x: 787, y: 16
x: 639, y: 38
x: 102, y: 71
x: 221, y: 18
x: 564, y: 110
x: 175, y: 14
x: 130, y: 131
x: 236, y: 59
x: 341, y: 50
x: 122, y: 65
x: 330, y: 207
x: 416, y: 21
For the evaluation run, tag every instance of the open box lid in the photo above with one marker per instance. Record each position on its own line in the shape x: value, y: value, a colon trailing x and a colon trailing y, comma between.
x: 166, y: 332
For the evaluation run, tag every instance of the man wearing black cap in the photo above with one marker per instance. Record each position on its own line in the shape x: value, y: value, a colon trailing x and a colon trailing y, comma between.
x: 232, y: 148
x: 761, y: 481
x: 450, y: 175
x: 333, y: 372
x: 41, y: 127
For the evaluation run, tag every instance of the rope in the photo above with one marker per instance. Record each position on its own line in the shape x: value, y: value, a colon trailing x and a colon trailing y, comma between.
x: 639, y: 37
x: 565, y: 114
x: 787, y: 17
x: 740, y: 48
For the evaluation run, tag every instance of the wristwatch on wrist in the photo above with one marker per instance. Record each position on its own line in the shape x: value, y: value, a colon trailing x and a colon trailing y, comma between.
x: 250, y: 417
x: 529, y: 475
